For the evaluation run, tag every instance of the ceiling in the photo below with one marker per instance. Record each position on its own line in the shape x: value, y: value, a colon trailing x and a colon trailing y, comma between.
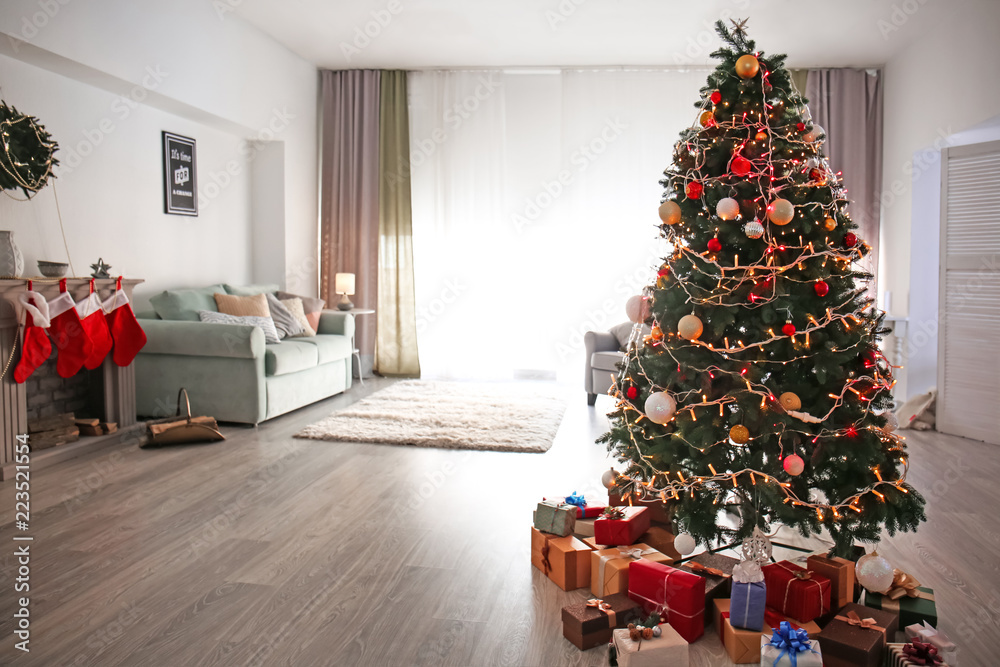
x: 416, y: 34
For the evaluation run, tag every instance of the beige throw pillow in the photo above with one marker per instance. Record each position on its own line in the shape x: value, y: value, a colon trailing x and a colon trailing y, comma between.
x: 243, y: 306
x: 294, y: 306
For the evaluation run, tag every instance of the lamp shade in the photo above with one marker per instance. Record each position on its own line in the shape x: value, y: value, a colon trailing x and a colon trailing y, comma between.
x: 343, y: 283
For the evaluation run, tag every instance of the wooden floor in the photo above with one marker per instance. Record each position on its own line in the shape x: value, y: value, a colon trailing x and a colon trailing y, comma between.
x: 266, y: 550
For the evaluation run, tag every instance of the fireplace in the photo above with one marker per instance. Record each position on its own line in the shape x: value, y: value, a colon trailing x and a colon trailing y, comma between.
x: 106, y: 393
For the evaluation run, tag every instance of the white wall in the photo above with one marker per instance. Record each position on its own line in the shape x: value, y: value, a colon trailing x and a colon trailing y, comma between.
x: 940, y: 84
x: 219, y: 81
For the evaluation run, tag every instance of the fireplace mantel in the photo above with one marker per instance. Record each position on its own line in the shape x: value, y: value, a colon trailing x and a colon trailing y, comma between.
x: 119, y: 382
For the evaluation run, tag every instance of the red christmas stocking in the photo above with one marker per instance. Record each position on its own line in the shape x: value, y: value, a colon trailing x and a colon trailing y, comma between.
x: 128, y: 335
x: 95, y: 324
x: 36, y: 348
x: 70, y: 338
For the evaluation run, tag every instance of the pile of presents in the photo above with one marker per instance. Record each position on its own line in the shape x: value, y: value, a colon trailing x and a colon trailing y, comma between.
x: 649, y: 604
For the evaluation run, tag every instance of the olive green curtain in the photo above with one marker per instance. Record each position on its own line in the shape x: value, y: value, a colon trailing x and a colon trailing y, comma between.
x: 396, y: 333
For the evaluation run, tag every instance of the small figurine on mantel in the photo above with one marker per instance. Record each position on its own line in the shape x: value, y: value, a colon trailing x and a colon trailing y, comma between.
x: 100, y: 269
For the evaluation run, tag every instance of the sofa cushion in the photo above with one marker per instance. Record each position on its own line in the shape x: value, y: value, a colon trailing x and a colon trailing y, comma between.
x: 622, y: 332
x: 294, y: 307
x: 284, y: 321
x: 243, y: 306
x: 266, y: 324
x: 311, y: 306
x: 251, y: 290
x: 330, y: 348
x: 290, y: 356
x: 606, y: 361
x: 184, y: 304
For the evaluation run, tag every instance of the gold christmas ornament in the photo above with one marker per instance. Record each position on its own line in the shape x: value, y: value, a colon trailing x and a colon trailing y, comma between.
x: 739, y: 434
x: 707, y: 119
x: 670, y: 212
x: 689, y: 327
x: 829, y: 224
x: 780, y: 211
x: 790, y: 401
x: 747, y: 66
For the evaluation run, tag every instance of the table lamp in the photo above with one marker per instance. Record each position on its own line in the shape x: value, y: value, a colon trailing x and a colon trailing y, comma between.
x: 343, y: 284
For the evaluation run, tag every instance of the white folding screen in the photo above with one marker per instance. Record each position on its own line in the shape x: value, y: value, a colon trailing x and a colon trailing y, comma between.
x: 969, y: 339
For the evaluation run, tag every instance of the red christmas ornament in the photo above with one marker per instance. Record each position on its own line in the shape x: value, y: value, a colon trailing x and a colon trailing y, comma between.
x: 694, y: 190
x: 801, y: 127
x: 788, y: 329
x: 850, y: 240
x: 816, y: 175
x: 760, y: 136
x: 716, y: 97
x: 714, y: 245
x: 631, y: 392
x: 822, y: 289
x: 740, y: 166
x: 665, y: 271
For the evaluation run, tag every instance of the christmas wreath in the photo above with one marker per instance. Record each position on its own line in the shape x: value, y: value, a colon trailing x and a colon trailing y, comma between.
x: 27, y: 158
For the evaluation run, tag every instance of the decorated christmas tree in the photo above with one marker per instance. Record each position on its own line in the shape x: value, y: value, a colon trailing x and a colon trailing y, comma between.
x: 761, y: 389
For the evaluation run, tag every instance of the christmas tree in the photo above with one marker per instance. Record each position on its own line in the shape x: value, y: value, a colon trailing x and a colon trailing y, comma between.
x: 761, y: 389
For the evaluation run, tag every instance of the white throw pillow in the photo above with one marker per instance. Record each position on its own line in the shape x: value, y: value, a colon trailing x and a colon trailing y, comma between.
x: 266, y: 324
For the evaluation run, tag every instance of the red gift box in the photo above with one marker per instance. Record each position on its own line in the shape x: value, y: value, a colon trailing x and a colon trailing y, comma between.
x: 796, y: 592
x: 589, y: 512
x: 678, y: 596
x: 624, y: 531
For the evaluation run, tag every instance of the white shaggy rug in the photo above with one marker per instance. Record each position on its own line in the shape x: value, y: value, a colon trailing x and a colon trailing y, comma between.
x: 454, y: 415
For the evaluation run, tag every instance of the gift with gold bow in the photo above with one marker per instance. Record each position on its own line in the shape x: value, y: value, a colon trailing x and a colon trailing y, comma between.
x: 802, y: 594
x: 621, y: 525
x: 906, y: 597
x: 589, y: 623
x: 609, y: 567
x: 857, y: 636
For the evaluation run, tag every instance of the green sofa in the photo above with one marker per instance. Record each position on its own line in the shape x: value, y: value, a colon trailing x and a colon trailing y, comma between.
x: 227, y: 369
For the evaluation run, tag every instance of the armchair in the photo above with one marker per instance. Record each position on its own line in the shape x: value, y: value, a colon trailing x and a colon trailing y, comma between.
x: 603, y: 355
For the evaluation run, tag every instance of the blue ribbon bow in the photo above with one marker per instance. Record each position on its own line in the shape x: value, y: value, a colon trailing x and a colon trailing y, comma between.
x: 576, y: 499
x: 791, y: 642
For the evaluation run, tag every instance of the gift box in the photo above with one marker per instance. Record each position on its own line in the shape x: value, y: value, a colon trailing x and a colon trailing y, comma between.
x: 788, y: 647
x: 914, y: 653
x: 907, y: 598
x: 718, y: 572
x: 584, y: 509
x: 661, y: 539
x: 659, y: 511
x: 554, y: 517
x: 609, y: 567
x: 749, y: 597
x: 840, y: 572
x: 743, y: 646
x: 626, y: 528
x: 927, y: 634
x: 667, y: 649
x: 676, y: 595
x: 584, y: 528
x: 564, y: 560
x: 773, y: 619
x: 856, y: 637
x: 593, y: 544
x: 796, y: 592
x: 589, y: 623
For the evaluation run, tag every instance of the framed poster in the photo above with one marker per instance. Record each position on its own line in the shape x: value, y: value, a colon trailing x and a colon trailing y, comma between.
x: 180, y: 175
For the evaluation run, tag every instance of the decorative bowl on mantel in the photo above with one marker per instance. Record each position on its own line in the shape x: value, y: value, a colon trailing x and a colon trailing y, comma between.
x: 52, y: 269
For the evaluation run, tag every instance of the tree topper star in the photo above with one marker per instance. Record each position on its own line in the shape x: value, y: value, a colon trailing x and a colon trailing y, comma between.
x: 739, y: 27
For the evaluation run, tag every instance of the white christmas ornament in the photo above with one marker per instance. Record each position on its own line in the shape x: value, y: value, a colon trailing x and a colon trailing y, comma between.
x: 813, y: 134
x: 891, y: 423
x: 757, y: 547
x: 684, y: 544
x: 753, y: 229
x: 608, y: 478
x: 660, y: 407
x: 874, y: 573
x: 637, y: 309
x: 727, y: 209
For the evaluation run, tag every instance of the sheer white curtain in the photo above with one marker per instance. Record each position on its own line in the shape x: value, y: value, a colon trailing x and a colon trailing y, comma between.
x: 534, y: 210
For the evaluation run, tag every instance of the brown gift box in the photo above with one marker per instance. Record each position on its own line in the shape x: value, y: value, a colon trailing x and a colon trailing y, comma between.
x: 743, y: 646
x: 840, y: 572
x: 847, y: 645
x: 716, y: 587
x: 615, y: 570
x: 568, y: 559
x: 661, y: 539
x: 587, y: 626
x: 657, y: 509
x: 584, y: 528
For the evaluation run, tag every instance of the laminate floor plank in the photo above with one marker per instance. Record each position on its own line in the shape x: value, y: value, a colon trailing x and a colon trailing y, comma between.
x: 267, y: 550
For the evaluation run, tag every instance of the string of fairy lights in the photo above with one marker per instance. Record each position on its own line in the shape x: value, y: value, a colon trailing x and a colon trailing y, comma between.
x: 29, y: 176
x: 773, y: 178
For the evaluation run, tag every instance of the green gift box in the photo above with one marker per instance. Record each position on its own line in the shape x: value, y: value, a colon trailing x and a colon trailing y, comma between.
x: 916, y: 606
x: 555, y: 517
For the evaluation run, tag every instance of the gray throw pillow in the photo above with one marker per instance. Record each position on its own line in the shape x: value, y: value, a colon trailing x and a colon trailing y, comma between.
x: 284, y: 321
x: 266, y: 324
x: 623, y: 331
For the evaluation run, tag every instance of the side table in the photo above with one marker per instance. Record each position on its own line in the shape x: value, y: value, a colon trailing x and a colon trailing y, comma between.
x: 355, y: 312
